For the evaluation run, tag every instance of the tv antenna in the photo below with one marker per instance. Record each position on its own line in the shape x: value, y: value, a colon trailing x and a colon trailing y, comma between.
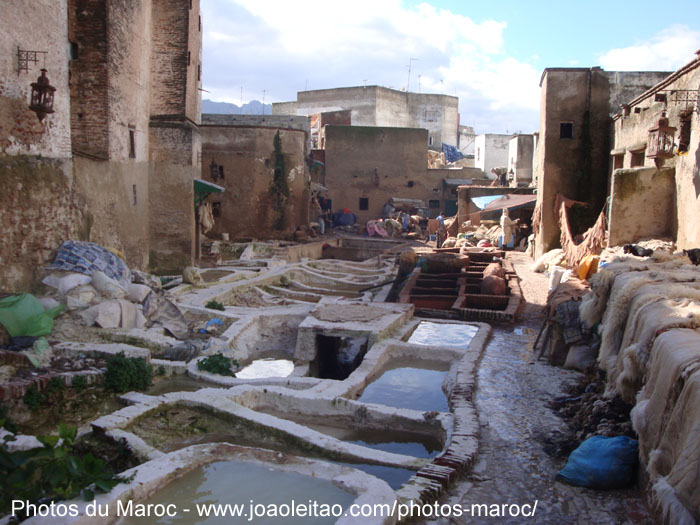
x: 408, y: 83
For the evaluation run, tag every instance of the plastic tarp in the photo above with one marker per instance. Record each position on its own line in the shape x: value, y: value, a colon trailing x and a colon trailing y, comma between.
x: 452, y: 154
x: 24, y: 315
x: 87, y: 257
x: 482, y: 202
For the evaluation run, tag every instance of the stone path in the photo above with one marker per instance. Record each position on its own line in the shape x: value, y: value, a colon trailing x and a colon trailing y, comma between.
x: 512, y: 400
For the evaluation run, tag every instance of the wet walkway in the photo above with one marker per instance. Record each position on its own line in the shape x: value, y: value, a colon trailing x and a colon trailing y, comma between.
x: 516, y: 422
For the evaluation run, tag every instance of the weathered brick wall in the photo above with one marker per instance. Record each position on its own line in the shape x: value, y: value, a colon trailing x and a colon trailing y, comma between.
x: 171, y: 195
x: 129, y: 67
x: 169, y: 69
x: 246, y: 154
x: 35, y: 26
x: 38, y: 211
x: 87, y: 27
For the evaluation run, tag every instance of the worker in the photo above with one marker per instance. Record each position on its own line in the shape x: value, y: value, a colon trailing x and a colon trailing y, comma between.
x: 508, y: 226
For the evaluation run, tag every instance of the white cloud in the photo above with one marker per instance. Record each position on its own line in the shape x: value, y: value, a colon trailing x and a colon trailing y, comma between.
x: 667, y: 50
x: 283, y: 47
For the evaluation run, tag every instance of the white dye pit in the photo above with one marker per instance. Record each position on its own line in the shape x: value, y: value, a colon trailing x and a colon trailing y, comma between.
x: 443, y: 334
x: 262, y: 368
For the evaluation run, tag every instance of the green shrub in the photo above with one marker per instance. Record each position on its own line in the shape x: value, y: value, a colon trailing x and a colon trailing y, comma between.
x: 215, y: 305
x: 56, y: 384
x: 32, y: 398
x: 52, y: 472
x: 127, y: 373
x: 160, y: 370
x: 217, y: 364
x: 79, y: 383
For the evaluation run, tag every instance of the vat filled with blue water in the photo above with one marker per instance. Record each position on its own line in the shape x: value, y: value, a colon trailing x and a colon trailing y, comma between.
x: 415, y: 385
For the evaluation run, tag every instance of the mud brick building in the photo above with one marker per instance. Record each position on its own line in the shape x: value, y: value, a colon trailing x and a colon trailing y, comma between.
x: 115, y: 161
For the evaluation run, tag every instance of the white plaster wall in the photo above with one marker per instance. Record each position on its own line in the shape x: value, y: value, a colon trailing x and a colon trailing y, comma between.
x: 491, y: 152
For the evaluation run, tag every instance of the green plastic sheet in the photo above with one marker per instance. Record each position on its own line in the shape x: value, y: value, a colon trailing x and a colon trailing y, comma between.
x: 24, y: 315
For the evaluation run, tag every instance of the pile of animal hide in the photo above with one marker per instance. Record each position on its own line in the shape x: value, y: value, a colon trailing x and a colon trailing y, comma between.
x: 666, y: 420
x: 648, y: 316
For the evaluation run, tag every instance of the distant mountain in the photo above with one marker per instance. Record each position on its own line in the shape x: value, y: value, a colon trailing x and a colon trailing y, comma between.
x: 254, y: 107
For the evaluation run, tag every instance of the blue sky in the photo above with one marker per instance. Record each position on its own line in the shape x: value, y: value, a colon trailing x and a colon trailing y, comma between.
x: 489, y: 54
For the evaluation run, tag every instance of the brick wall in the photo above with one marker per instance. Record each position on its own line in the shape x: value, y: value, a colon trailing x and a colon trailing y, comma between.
x: 87, y: 27
x: 169, y: 68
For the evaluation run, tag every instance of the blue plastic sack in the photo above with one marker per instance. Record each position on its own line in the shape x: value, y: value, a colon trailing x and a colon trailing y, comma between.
x: 602, y: 463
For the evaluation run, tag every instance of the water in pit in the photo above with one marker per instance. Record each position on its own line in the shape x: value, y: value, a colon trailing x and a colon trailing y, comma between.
x: 395, y: 442
x: 409, y: 387
x: 262, y: 368
x: 235, y: 482
x: 394, y: 476
x: 443, y: 334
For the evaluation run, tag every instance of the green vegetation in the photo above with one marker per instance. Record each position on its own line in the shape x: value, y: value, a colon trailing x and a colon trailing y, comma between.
x: 279, y: 189
x: 79, y: 383
x: 127, y: 373
x: 215, y: 305
x: 52, y: 473
x: 218, y: 364
x: 32, y: 398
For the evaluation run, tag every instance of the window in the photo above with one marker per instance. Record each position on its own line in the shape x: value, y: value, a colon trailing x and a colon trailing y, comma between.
x: 566, y: 130
x: 188, y: 58
x: 133, y: 190
x: 221, y: 172
x: 364, y: 203
x: 617, y: 161
x: 410, y: 184
x: 216, y: 209
x: 684, y: 132
x: 199, y: 72
x: 637, y: 159
x: 132, y: 144
x: 430, y: 141
x: 200, y: 23
x: 434, y: 204
x: 478, y: 153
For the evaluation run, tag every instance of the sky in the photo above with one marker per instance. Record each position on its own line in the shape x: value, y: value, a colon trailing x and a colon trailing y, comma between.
x: 489, y: 54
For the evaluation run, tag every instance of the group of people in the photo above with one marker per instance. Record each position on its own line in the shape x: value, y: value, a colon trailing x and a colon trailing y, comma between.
x: 322, y: 214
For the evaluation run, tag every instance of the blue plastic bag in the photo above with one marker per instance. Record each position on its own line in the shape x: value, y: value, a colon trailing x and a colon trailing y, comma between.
x: 602, y: 463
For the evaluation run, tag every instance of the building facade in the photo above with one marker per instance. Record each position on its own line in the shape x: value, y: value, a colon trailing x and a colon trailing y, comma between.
x: 520, y: 156
x: 383, y: 107
x: 491, y: 151
x: 571, y: 159
x: 242, y: 150
x: 658, y: 196
x: 115, y: 161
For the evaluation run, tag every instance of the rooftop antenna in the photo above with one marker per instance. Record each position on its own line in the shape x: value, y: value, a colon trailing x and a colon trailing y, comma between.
x: 365, y: 81
x: 408, y: 83
x: 263, y: 101
x: 306, y: 85
x: 442, y: 86
x: 419, y: 83
x: 241, y: 96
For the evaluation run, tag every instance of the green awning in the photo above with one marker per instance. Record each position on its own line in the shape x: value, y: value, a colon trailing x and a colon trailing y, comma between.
x: 202, y: 188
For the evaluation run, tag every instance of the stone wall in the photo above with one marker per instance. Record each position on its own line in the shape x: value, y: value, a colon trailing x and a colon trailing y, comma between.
x: 376, y: 164
x: 246, y: 155
x: 38, y: 211
x: 38, y: 205
x: 642, y: 205
x: 520, y: 153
